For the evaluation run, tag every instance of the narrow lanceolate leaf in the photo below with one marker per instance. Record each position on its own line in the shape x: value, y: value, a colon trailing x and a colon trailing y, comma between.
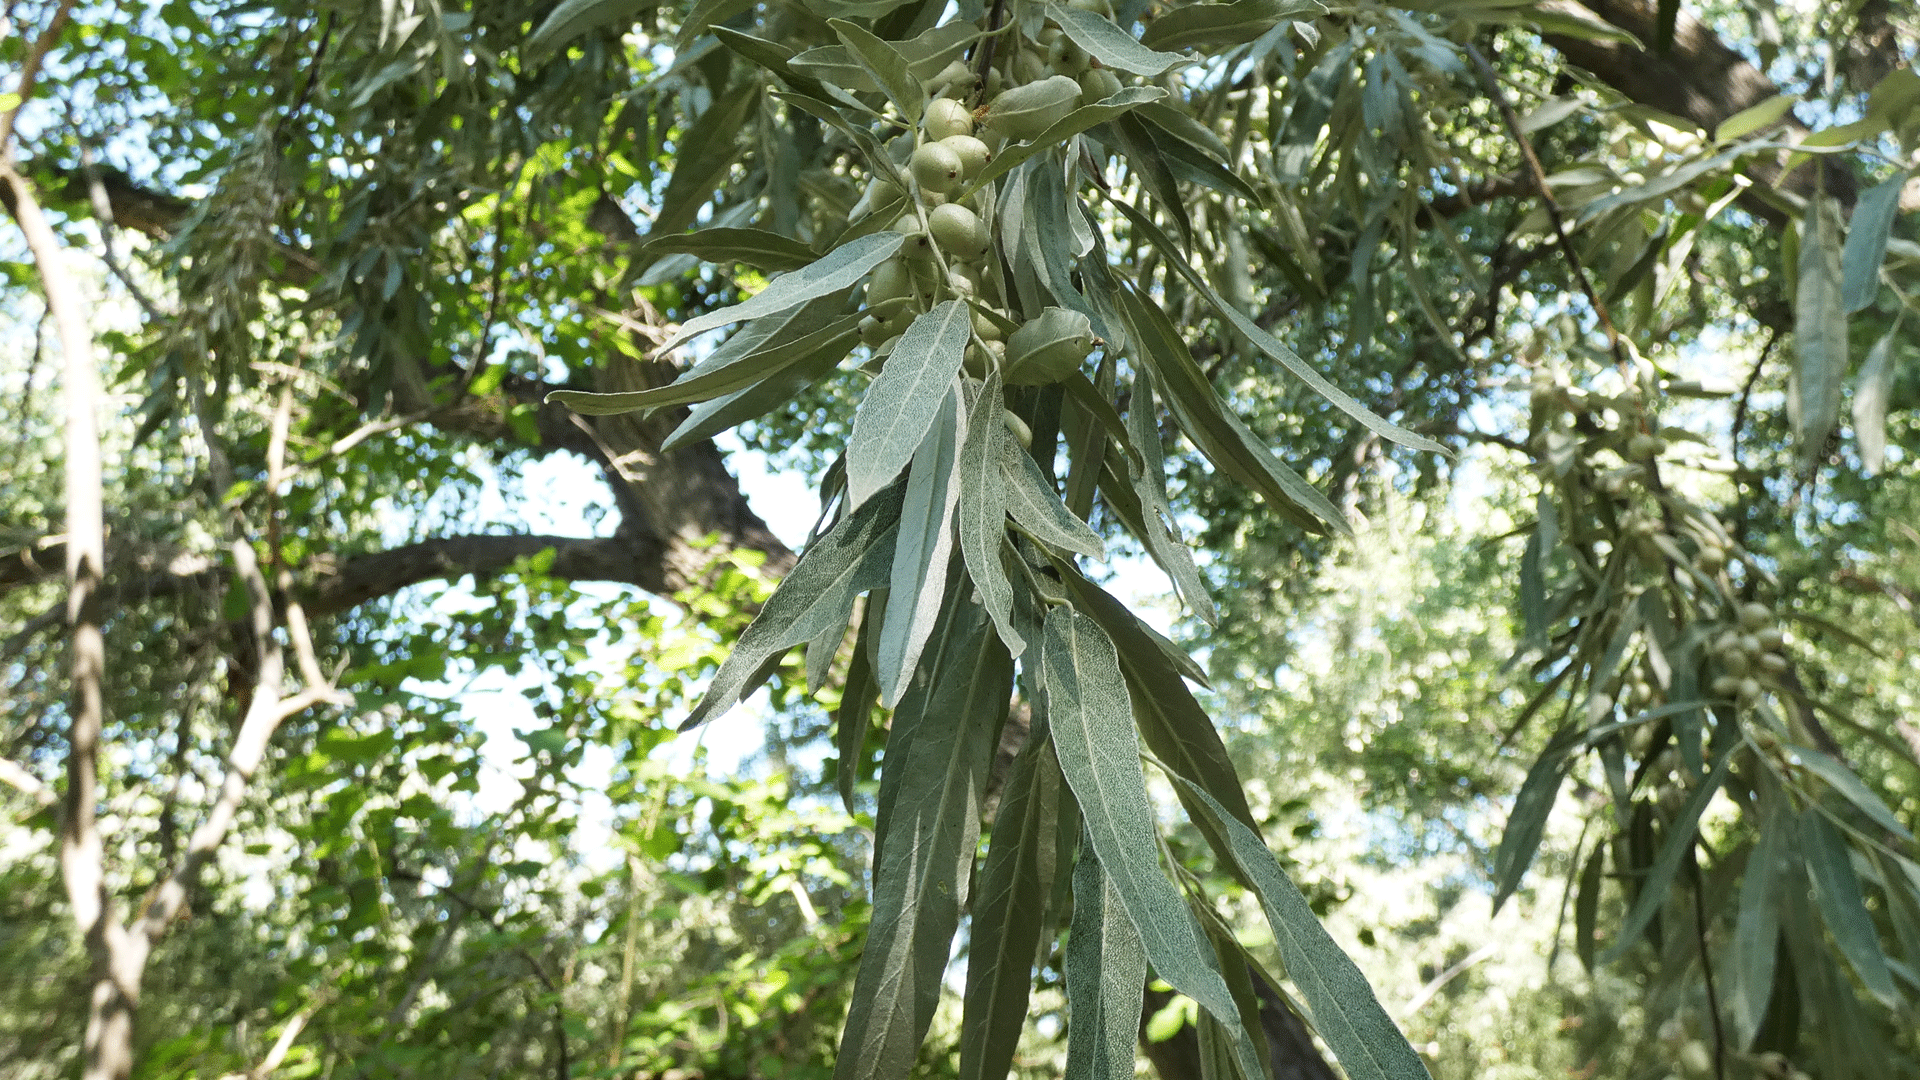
x: 1037, y: 508
x: 983, y: 508
x: 1680, y: 838
x: 858, y: 695
x: 1214, y: 431
x: 1867, y: 242
x: 699, y: 385
x: 1109, y: 44
x: 1106, y: 970
x: 1150, y: 484
x: 920, y: 554
x: 709, y: 418
x: 1175, y: 727
x: 887, y: 66
x: 1528, y: 821
x: 1756, y: 936
x: 1278, y: 349
x: 1870, y: 393
x: 1836, y: 892
x: 1850, y: 787
x: 757, y: 248
x: 902, y: 402
x: 1072, y: 124
x: 578, y: 18
x: 1091, y: 721
x: 856, y: 556
x: 944, y: 730
x: 711, y: 147
x: 1754, y: 117
x: 836, y: 270
x: 1345, y: 1011
x: 1819, y: 331
x: 1211, y: 26
x: 1009, y: 912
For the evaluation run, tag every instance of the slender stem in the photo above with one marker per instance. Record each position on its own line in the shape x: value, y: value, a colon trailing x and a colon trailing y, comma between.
x: 1706, y: 966
x: 1490, y: 81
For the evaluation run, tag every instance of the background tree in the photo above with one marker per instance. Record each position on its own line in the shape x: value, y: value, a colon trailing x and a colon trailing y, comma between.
x: 346, y: 299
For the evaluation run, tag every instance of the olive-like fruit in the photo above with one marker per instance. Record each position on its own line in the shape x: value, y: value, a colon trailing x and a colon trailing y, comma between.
x: 1725, y: 686
x: 1771, y: 638
x: 1774, y: 663
x: 986, y: 329
x: 872, y: 330
x: 959, y: 231
x: 1754, y: 615
x: 946, y: 118
x: 1021, y: 432
x: 1025, y: 111
x: 1749, y: 690
x: 973, y: 154
x: 917, y: 246
x: 936, y: 167
x: 1029, y: 67
x: 889, y: 281
x: 1735, y: 663
x: 1097, y: 84
x: 1695, y: 1058
x: 1049, y: 348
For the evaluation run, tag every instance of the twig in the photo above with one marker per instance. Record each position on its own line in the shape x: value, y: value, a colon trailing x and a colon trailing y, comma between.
x: 1746, y: 395
x: 1490, y: 81
x: 1706, y: 965
x: 984, y: 61
x: 1440, y: 981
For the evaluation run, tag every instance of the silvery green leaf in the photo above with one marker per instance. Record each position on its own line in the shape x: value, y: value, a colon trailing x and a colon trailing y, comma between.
x: 1091, y: 721
x: 902, y: 402
x: 1345, y: 1011
x: 1836, y: 892
x: 1819, y: 331
x: 1037, y: 508
x: 1867, y: 241
x: 857, y: 555
x: 1870, y: 393
x: 1149, y: 483
x: 983, y: 509
x: 1276, y: 348
x: 888, y: 68
x: 577, y: 18
x: 757, y: 248
x: 709, y: 418
x: 1756, y: 937
x: 754, y: 367
x: 1681, y: 836
x: 836, y: 270
x: 1009, y: 911
x: 921, y: 553
x: 1072, y: 124
x: 929, y: 51
x: 1109, y: 44
x: 928, y: 828
x: 1208, y: 26
x: 835, y: 64
x: 1106, y: 976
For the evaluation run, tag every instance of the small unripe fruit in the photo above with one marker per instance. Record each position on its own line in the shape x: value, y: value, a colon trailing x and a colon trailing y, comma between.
x: 1021, y: 432
x: 1750, y: 645
x: 1029, y: 67
x: 986, y: 329
x: 1753, y: 616
x: 1097, y: 84
x: 889, y: 281
x: 1644, y: 446
x: 961, y: 282
x: 917, y: 246
x: 1725, y: 686
x: 1695, y: 1058
x: 946, y: 118
x: 872, y: 331
x: 1774, y: 664
x: 936, y: 167
x: 1735, y: 663
x: 1049, y: 348
x: 1749, y: 690
x: 959, y: 230
x: 973, y: 154
x: 1771, y: 638
x: 1025, y: 111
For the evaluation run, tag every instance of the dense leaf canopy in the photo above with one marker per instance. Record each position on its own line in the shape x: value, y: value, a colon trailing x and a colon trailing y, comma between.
x: 1512, y: 401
